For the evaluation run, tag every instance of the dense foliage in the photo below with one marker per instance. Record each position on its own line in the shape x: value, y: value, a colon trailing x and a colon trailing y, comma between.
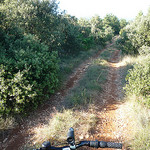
x: 27, y: 65
x: 135, y: 39
x: 34, y: 37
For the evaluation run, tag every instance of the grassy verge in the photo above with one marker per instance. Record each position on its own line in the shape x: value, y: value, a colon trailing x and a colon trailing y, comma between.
x: 138, y: 113
x: 140, y: 119
x: 78, y: 108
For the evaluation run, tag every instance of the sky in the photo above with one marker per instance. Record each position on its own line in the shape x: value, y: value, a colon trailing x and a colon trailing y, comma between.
x: 123, y: 9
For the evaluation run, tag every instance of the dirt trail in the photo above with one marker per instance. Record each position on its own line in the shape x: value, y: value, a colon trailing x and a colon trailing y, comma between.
x: 112, y: 125
x: 109, y: 126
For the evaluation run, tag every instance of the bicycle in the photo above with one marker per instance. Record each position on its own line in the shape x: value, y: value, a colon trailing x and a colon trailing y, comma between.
x: 72, y: 146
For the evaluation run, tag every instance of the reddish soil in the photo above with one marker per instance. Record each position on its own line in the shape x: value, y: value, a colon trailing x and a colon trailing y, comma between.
x: 108, y: 104
x: 108, y: 127
x: 112, y: 126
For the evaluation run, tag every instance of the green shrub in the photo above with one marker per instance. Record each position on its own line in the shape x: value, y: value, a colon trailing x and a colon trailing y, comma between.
x: 87, y: 43
x: 109, y: 34
x: 30, y: 70
x: 138, y: 81
x: 43, y: 64
x: 15, y: 91
x: 125, y: 44
x: 136, y: 34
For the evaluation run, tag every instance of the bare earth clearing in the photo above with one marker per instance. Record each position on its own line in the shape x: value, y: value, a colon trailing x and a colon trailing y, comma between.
x: 112, y: 124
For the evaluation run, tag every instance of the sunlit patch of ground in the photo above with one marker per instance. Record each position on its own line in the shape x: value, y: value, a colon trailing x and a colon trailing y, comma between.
x: 56, y: 130
x: 126, y: 60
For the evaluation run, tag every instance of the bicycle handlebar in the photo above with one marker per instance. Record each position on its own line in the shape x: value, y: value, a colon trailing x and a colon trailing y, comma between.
x: 73, y: 146
x: 102, y: 144
x: 94, y: 144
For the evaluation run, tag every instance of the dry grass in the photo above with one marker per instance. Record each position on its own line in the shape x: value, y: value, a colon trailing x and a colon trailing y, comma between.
x: 130, y: 60
x: 127, y: 60
x: 57, y: 128
x: 138, y: 117
x: 7, y: 123
x: 141, y: 119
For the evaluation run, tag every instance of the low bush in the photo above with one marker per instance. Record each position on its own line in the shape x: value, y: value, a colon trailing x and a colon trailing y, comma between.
x: 138, y: 81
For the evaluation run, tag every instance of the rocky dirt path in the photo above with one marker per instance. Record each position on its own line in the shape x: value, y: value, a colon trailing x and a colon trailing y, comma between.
x: 111, y: 125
